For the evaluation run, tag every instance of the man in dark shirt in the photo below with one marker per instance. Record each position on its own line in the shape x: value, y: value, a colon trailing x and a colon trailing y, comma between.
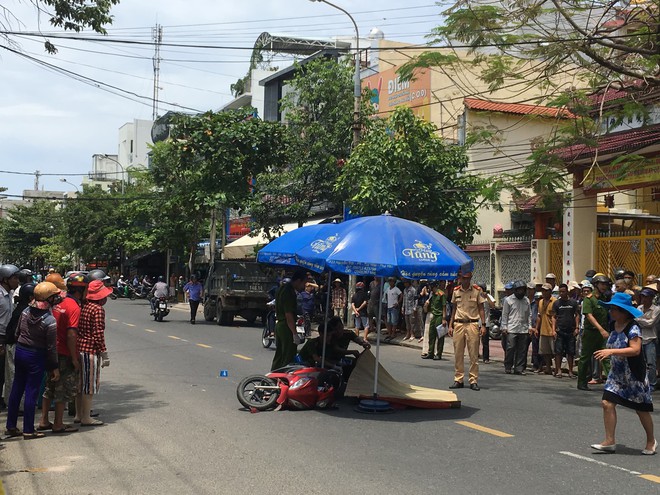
x: 372, y: 306
x: 565, y: 327
x: 286, y: 337
x: 359, y: 309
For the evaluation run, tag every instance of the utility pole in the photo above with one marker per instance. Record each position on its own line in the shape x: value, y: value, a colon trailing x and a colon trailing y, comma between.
x: 157, y: 34
x: 37, y: 174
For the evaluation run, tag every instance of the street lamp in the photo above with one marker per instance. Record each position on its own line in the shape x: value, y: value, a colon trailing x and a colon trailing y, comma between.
x: 71, y: 184
x: 123, y: 172
x: 357, y: 86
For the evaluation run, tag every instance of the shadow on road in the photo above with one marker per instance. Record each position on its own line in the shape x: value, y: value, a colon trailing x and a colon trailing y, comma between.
x: 126, y: 400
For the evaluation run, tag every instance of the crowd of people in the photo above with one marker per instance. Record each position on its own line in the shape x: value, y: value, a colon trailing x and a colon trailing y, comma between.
x: 592, y: 320
x: 52, y: 349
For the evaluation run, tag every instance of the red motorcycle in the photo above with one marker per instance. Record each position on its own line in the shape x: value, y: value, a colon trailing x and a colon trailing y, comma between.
x: 294, y: 387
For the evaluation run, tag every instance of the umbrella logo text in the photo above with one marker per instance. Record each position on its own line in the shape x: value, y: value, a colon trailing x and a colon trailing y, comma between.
x: 321, y: 245
x: 421, y: 252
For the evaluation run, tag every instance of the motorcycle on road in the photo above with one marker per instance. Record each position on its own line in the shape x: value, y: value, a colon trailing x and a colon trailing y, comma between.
x: 161, y: 309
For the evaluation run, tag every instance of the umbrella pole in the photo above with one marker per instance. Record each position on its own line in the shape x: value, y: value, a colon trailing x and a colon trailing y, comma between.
x: 380, y: 316
x: 327, y: 312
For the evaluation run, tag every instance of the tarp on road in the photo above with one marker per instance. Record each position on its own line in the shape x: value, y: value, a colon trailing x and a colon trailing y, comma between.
x: 361, y: 382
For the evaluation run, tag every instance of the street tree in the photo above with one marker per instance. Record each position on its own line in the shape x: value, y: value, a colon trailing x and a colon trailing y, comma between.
x: 403, y: 167
x: 575, y: 49
x: 70, y: 15
x: 318, y: 111
x: 32, y: 235
x: 208, y: 164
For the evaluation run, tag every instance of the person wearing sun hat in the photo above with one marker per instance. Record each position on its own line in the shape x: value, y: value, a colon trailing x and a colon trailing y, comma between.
x: 627, y: 383
x: 92, y: 350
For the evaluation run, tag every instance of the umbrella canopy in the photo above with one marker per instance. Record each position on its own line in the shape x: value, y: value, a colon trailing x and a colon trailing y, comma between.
x: 282, y: 251
x: 383, y: 246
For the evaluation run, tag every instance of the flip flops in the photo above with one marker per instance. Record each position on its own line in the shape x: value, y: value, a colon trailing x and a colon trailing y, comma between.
x: 95, y: 422
x: 66, y: 429
x: 32, y: 436
x: 13, y: 432
x: 49, y: 426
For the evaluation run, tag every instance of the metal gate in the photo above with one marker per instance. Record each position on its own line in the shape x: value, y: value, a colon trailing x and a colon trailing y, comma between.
x: 639, y: 252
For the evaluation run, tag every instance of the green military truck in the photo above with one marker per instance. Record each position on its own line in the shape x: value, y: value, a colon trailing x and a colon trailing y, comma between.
x: 237, y: 288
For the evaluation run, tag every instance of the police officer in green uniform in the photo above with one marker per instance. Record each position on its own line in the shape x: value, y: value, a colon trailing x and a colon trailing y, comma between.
x: 286, y: 303
x: 595, y: 332
x: 438, y: 314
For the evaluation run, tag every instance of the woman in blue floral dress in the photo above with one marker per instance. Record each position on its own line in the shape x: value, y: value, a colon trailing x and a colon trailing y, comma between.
x: 627, y: 383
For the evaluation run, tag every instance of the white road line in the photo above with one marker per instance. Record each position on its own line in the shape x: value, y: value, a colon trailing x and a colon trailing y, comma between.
x: 128, y: 324
x: 149, y: 330
x: 114, y: 319
x: 601, y: 463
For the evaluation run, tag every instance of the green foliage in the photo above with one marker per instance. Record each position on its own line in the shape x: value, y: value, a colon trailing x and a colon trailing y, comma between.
x: 403, y: 167
x: 548, y: 48
x: 208, y: 163
x: 74, y: 15
x: 319, y: 117
x: 33, y: 236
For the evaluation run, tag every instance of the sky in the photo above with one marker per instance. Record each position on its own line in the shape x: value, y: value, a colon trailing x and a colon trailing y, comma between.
x: 54, y: 123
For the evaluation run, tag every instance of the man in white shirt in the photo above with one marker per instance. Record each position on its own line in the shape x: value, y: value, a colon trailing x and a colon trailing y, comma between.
x: 516, y: 326
x: 393, y: 295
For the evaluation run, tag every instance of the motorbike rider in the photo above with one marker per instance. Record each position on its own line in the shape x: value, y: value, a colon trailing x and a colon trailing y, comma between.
x: 160, y: 289
x: 122, y: 285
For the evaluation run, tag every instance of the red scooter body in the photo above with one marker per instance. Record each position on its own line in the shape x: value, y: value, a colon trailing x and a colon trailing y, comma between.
x: 294, y: 387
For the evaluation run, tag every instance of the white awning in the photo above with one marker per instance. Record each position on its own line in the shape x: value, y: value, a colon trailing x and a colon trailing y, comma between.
x: 248, y: 245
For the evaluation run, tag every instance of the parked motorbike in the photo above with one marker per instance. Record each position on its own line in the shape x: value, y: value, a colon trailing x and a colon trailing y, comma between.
x: 161, y: 309
x: 494, y: 328
x: 294, y: 387
x: 268, y: 333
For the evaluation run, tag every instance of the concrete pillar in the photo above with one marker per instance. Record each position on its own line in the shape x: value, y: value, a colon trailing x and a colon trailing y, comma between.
x: 580, y: 235
x: 540, y: 249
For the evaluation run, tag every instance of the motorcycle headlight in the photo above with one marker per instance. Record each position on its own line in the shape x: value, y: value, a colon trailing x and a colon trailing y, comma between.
x: 301, y: 382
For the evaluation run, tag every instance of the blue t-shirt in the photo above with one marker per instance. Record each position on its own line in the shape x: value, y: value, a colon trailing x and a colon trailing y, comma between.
x: 307, y: 300
x: 194, y: 290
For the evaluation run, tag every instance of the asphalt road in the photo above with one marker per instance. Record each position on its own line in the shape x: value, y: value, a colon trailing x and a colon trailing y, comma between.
x: 175, y: 426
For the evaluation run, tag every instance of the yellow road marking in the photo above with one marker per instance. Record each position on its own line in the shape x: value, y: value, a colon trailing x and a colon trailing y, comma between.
x: 475, y: 426
x: 240, y: 356
x: 174, y: 337
x: 204, y: 346
x: 184, y: 340
x: 149, y: 330
x: 114, y: 319
x: 128, y: 324
x: 2, y: 488
x: 650, y: 477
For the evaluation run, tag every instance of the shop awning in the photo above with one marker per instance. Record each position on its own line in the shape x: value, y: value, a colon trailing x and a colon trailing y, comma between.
x: 247, y: 246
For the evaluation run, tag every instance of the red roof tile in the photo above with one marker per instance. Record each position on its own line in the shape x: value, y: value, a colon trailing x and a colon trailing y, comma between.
x: 517, y: 108
x: 634, y: 139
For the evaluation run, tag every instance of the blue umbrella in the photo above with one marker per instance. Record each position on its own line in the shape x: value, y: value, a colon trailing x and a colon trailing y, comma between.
x: 282, y: 250
x: 383, y: 246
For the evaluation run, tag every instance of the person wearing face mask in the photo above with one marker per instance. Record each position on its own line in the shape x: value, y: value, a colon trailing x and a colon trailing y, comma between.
x: 516, y: 326
x: 92, y: 350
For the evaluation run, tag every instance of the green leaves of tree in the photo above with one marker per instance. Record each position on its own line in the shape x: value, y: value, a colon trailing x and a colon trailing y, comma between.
x: 403, y: 167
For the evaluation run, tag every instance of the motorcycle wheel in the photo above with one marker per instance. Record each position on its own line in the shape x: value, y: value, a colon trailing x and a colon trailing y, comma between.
x: 266, y: 340
x: 159, y: 316
x: 249, y: 395
x: 133, y: 296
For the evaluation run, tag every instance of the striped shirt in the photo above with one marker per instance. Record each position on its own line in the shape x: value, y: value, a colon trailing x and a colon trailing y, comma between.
x: 91, y: 328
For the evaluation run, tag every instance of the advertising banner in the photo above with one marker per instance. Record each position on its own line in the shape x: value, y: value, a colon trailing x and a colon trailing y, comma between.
x: 388, y: 91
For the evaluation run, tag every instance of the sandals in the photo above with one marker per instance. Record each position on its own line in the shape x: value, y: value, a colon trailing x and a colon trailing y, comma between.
x: 49, y: 426
x: 66, y: 429
x: 13, y: 432
x: 32, y: 436
x: 95, y: 422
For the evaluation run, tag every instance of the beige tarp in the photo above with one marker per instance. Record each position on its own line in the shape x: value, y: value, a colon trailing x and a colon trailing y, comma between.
x: 245, y: 246
x: 361, y: 384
